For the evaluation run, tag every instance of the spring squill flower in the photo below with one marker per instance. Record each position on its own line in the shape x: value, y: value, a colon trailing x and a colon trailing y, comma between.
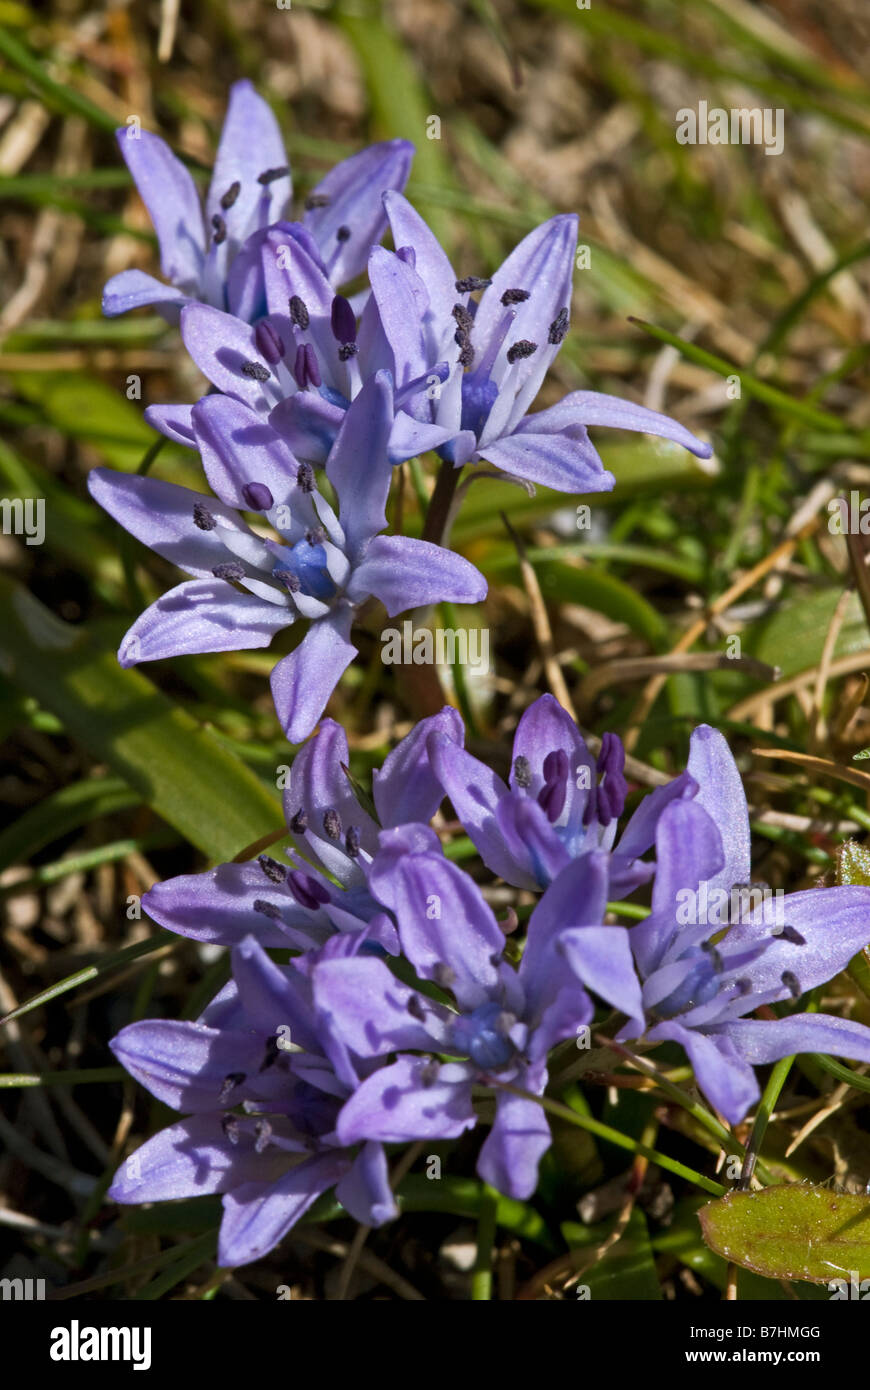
x: 211, y: 252
x: 319, y: 568
x: 261, y: 1081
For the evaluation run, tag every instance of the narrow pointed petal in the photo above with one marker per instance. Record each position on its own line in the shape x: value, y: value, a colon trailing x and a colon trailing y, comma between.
x: 160, y: 515
x: 190, y: 1159
x: 601, y: 958
x: 518, y: 1140
x: 432, y: 264
x: 365, y: 1193
x: 767, y: 1040
x: 303, y: 681
x: 410, y: 437
x: 186, y: 1064
x: 530, y: 838
x: 688, y: 852
x: 640, y: 833
x: 720, y: 792
x: 407, y: 573
x: 169, y: 194
x: 218, y: 906
x: 724, y: 1076
x: 174, y: 421
x: 835, y: 925
x: 406, y: 789
x: 577, y: 898
x: 202, y: 615
x: 558, y: 461
x: 595, y: 408
x: 402, y: 302
x: 367, y: 1007
x: 221, y: 346
x: 475, y: 791
x: 358, y: 466
x: 250, y: 145
x: 318, y: 783
x: 354, y: 191
x: 133, y: 289
x: 308, y: 424
x: 443, y: 920
x: 396, y: 1103
x: 238, y: 448
x: 258, y: 1215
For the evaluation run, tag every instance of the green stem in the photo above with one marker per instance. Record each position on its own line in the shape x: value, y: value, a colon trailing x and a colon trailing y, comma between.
x: 481, y: 1277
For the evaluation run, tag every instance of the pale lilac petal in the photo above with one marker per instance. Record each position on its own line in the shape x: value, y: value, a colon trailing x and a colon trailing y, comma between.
x: 364, y: 1004
x: 475, y: 791
x: 410, y: 437
x: 358, y: 466
x: 221, y: 345
x: 406, y: 573
x: 594, y: 408
x: 308, y: 424
x: 202, y: 615
x: 517, y: 1141
x: 169, y: 193
x: 250, y: 145
x: 724, y: 1076
x: 218, y: 906
x: 402, y: 301
x: 406, y: 788
x: 355, y: 190
x: 688, y: 852
x: 276, y: 997
x: 189, y: 1159
x: 186, y: 1064
x: 601, y: 958
x: 174, y: 421
x: 443, y: 920
x: 720, y: 792
x: 238, y: 447
x: 318, y: 783
x: 640, y: 832
x: 767, y: 1040
x: 258, y: 1215
x: 132, y: 289
x: 405, y: 1102
x: 365, y: 1193
x: 303, y: 681
x: 160, y: 515
x: 432, y: 264
x: 531, y: 840
x: 835, y: 925
x: 553, y: 460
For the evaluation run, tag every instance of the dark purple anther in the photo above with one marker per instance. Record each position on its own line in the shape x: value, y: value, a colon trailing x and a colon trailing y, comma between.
x: 522, y: 771
x: 305, y: 367
x: 299, y: 823
x: 274, y: 871
x: 258, y: 497
x: 471, y: 282
x: 523, y: 348
x: 343, y: 320
x: 307, y: 891
x: 343, y: 234
x: 316, y: 200
x: 299, y: 315
x: 515, y: 297
x: 789, y: 933
x: 352, y: 841
x: 231, y: 195
x: 270, y: 175
x: 230, y: 1083
x: 408, y: 255
x: 305, y: 477
x: 202, y: 517
x: 232, y: 572
x: 267, y: 909
x: 792, y: 983
x: 256, y: 371
x: 291, y: 581
x: 553, y: 794
x: 269, y: 344
x: 558, y: 328
x: 613, y: 788
x: 219, y: 228
x: 332, y: 823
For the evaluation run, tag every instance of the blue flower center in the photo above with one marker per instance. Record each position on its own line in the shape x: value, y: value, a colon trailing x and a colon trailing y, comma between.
x: 483, y: 1034
x: 698, y: 986
x: 479, y: 395
x: 307, y: 564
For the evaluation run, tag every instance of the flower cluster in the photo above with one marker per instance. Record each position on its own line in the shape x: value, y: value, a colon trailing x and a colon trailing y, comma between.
x: 375, y: 998
x: 410, y: 1013
x: 316, y: 396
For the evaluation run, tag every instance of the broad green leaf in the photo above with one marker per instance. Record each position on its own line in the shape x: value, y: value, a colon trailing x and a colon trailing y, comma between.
x: 593, y: 587
x: 794, y: 1232
x: 178, y: 768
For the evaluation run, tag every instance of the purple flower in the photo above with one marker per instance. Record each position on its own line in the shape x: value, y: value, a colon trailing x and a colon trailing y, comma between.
x: 212, y: 252
x: 261, y: 1081
x: 501, y: 1023
x: 303, y: 362
x: 560, y: 803
x: 499, y: 351
x: 302, y: 903
x: 246, y: 586
x: 713, y: 949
